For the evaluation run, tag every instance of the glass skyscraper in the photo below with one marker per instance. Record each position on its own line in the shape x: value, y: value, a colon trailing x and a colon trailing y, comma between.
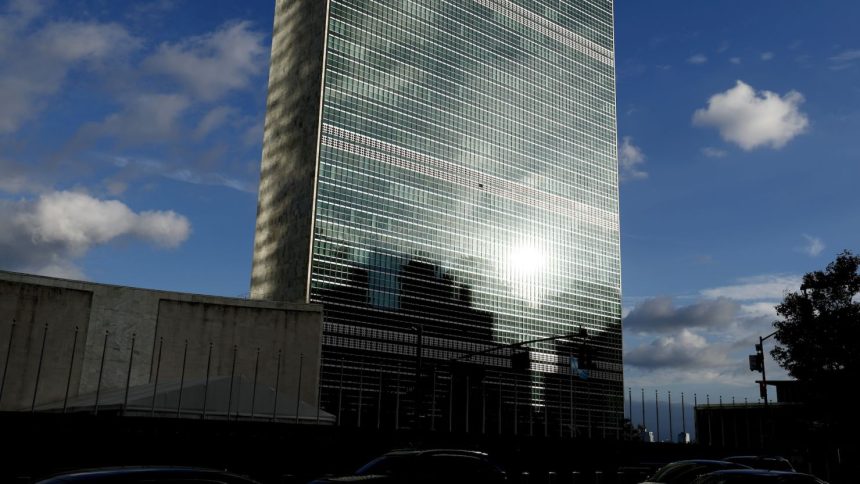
x: 442, y: 176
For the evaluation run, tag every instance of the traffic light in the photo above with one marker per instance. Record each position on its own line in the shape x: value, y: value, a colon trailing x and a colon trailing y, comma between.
x: 585, y: 357
x: 762, y: 390
x: 756, y: 362
x: 521, y: 360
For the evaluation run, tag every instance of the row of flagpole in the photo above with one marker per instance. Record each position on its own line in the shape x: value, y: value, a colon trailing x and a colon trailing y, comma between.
x: 667, y: 405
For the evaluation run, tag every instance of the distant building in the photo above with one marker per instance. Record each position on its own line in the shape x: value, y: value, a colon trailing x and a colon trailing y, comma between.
x: 753, y: 425
x: 442, y: 177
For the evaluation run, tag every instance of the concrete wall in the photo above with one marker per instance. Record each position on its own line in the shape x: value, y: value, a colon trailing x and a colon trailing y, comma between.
x: 290, y: 141
x: 109, y: 319
x: 40, y: 314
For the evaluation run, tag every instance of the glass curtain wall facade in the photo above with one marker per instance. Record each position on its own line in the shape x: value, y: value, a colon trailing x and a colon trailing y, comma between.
x: 465, y: 199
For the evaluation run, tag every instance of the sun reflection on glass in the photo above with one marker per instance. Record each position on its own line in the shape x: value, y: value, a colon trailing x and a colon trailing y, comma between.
x: 525, y: 268
x: 525, y: 261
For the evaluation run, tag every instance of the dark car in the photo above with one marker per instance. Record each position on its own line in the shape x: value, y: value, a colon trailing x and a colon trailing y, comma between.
x: 757, y: 476
x: 426, y: 466
x: 769, y: 462
x: 685, y: 471
x: 149, y: 474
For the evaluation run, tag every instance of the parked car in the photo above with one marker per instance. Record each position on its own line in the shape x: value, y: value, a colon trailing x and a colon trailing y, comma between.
x: 446, y: 466
x: 149, y: 474
x: 769, y: 462
x: 756, y: 476
x: 685, y: 471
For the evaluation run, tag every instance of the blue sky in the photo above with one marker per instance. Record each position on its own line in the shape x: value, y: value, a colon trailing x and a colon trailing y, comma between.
x: 130, y: 140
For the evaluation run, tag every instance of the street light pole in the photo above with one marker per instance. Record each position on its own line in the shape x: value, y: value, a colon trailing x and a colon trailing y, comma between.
x: 760, y: 350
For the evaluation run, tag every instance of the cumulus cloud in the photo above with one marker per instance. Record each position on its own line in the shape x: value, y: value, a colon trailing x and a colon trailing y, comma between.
x: 735, y: 60
x: 752, y: 119
x: 764, y: 287
x: 766, y: 56
x: 213, y: 64
x: 712, y: 152
x: 814, y: 245
x: 709, y: 338
x: 46, y: 236
x: 660, y: 315
x: 683, y: 350
x: 697, y: 59
x: 37, y: 60
x: 630, y: 159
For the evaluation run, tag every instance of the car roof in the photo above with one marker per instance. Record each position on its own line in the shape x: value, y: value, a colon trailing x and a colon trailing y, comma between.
x: 108, y: 473
x: 416, y: 452
x: 756, y: 471
x: 765, y: 461
x: 699, y: 461
x: 763, y: 472
x: 686, y: 470
x: 763, y: 457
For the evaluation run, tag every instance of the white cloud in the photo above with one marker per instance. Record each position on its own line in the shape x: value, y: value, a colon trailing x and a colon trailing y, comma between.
x: 844, y: 59
x: 765, y: 287
x: 143, y: 166
x: 36, y: 62
x: 735, y: 60
x: 752, y: 119
x: 144, y: 118
x: 759, y: 310
x: 630, y: 157
x: 212, y: 65
x: 253, y: 135
x: 766, y: 56
x: 846, y: 56
x: 77, y: 41
x: 814, y: 245
x: 712, y: 152
x: 18, y: 178
x: 47, y: 235
x: 212, y: 120
x: 22, y: 12
x: 697, y: 59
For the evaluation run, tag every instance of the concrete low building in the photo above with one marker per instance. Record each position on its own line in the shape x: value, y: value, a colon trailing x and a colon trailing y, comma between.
x: 67, y: 345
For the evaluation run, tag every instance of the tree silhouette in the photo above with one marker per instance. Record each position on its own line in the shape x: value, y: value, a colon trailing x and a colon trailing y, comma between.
x: 818, y: 345
x: 819, y: 334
